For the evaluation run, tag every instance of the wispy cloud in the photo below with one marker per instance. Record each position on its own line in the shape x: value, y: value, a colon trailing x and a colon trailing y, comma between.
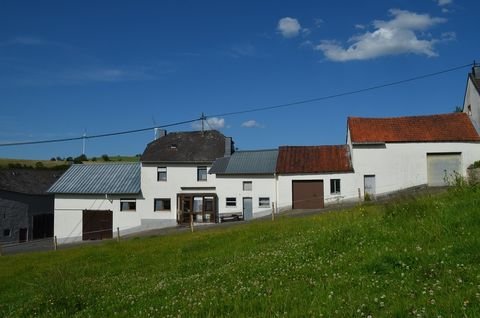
x: 399, y: 35
x: 242, y: 50
x: 211, y: 123
x: 251, y: 124
x: 289, y: 27
x: 444, y: 4
x: 67, y: 65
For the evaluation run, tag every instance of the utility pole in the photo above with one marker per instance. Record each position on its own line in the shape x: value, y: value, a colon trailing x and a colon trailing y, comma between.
x: 203, y: 123
x: 84, y: 137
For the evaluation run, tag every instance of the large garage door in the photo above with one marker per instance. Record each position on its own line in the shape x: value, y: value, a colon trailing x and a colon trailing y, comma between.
x: 442, y: 168
x: 307, y: 194
x: 97, y: 224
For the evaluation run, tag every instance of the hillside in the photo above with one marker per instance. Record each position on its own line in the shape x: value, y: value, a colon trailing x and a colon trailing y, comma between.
x: 414, y: 258
x: 61, y: 163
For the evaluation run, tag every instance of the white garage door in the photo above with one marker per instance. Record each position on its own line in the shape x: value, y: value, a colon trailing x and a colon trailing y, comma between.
x: 442, y: 168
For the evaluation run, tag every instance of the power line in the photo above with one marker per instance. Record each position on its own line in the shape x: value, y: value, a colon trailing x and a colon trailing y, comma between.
x: 251, y: 110
x: 358, y: 91
x: 125, y: 132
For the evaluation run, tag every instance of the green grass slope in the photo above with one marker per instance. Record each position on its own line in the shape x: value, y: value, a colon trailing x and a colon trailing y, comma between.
x: 419, y: 258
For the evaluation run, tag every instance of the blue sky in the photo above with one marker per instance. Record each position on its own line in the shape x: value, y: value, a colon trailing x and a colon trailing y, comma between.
x: 103, y: 66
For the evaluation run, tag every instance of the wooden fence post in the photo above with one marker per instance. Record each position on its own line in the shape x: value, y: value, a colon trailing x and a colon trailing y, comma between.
x: 55, y: 243
x: 191, y: 223
x: 118, y: 234
x: 273, y: 211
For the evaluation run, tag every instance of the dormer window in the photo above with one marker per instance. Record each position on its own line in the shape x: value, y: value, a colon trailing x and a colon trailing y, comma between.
x: 469, y: 110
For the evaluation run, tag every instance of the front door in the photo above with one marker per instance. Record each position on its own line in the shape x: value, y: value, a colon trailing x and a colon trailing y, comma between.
x: 247, y: 209
x: 22, y: 235
x: 369, y: 187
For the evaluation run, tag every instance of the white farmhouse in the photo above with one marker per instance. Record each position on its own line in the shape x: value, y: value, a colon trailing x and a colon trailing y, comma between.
x: 175, y: 182
x: 245, y: 183
x: 92, y: 200
x: 390, y: 154
x: 471, y: 102
x: 197, y: 176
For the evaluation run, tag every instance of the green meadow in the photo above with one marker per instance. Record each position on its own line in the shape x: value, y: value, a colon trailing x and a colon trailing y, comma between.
x: 417, y: 257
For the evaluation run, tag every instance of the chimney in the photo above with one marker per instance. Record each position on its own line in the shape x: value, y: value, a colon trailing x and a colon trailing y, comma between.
x: 228, y: 146
x: 159, y: 133
x: 476, y: 71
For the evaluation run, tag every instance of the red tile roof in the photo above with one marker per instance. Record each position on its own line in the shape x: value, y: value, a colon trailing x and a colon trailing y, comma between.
x: 314, y: 159
x: 434, y: 128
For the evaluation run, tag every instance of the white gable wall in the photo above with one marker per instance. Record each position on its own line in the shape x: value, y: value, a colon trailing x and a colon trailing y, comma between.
x: 68, y: 223
x: 232, y: 186
x: 472, y: 99
x: 347, y: 187
x: 399, y: 166
x: 178, y: 176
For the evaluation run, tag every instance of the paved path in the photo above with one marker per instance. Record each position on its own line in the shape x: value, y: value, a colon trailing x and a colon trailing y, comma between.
x: 47, y: 244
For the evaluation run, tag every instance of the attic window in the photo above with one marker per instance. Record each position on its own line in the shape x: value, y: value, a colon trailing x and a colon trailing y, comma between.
x: 469, y: 110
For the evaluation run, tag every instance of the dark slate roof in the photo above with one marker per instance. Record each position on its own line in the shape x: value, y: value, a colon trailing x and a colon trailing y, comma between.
x: 192, y: 146
x: 246, y: 162
x: 108, y: 178
x: 434, y: 128
x: 314, y: 159
x: 28, y: 181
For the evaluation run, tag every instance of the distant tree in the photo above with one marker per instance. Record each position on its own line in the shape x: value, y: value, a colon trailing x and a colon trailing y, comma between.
x: 53, y: 159
x: 94, y: 159
x: 458, y: 109
x: 60, y: 159
x: 80, y: 159
x: 69, y: 159
x: 105, y: 158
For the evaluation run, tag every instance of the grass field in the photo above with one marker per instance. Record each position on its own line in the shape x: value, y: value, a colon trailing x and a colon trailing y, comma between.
x: 419, y: 258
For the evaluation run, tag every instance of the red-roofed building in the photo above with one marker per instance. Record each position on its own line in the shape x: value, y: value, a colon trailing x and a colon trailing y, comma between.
x: 313, y: 176
x: 391, y: 154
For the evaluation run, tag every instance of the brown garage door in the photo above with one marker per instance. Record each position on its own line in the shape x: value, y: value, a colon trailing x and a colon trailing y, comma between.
x: 307, y: 194
x: 97, y: 224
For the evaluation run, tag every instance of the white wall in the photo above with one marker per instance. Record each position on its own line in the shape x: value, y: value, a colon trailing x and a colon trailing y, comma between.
x: 472, y: 98
x: 403, y: 165
x: 178, y: 176
x: 69, y: 213
x: 232, y: 186
x: 348, y: 189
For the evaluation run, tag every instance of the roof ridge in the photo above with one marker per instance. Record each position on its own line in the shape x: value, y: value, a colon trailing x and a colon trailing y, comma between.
x: 413, y: 116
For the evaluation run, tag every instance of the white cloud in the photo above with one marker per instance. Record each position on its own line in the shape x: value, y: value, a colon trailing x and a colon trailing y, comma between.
x: 251, y: 124
x: 210, y: 124
x: 444, y: 2
x: 392, y: 37
x: 289, y: 27
x: 360, y: 26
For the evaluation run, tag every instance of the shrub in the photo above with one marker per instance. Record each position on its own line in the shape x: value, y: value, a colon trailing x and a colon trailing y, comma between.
x: 105, y: 158
x: 475, y: 165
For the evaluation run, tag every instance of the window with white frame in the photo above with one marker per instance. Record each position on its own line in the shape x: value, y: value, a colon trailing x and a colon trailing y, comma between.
x: 231, y: 202
x: 161, y: 205
x: 128, y: 205
x: 334, y: 186
x: 162, y: 174
x: 202, y: 173
x: 247, y: 185
x: 264, y: 202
